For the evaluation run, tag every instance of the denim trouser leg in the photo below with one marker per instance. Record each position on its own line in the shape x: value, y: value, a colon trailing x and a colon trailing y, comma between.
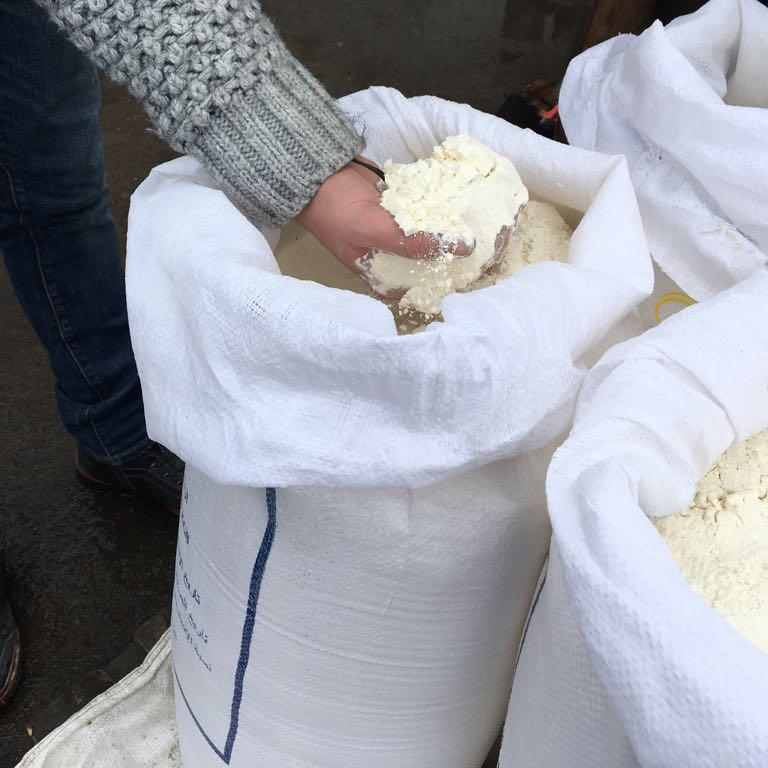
x: 57, y: 236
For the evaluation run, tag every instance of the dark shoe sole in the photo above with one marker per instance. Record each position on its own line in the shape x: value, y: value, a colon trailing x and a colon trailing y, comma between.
x: 12, y: 681
x: 91, y: 482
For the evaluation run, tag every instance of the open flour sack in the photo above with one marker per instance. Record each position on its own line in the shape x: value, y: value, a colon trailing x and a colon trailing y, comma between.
x: 363, y: 520
x: 687, y: 104
x: 622, y: 664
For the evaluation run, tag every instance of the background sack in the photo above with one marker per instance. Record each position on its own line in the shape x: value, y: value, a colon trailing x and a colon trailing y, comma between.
x: 622, y: 664
x: 686, y: 104
x: 363, y: 519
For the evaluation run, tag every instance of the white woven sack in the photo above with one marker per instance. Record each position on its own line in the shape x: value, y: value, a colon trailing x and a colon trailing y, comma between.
x: 363, y: 519
x: 687, y: 104
x: 131, y: 725
x: 622, y: 664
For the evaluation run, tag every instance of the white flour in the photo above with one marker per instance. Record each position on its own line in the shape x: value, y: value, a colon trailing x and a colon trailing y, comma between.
x: 541, y: 235
x: 720, y: 541
x: 466, y: 192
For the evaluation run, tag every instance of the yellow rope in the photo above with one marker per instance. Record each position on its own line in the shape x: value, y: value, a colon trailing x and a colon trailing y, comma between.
x: 673, y: 297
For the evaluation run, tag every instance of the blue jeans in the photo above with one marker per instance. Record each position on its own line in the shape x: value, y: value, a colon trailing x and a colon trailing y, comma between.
x: 57, y: 236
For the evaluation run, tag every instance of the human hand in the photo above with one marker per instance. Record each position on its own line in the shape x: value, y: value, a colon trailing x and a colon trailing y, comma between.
x: 345, y: 215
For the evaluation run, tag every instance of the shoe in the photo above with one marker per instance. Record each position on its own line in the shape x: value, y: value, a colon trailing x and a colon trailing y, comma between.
x: 155, y: 475
x: 10, y: 651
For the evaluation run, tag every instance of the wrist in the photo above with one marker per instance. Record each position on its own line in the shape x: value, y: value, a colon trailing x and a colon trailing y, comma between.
x: 273, y: 147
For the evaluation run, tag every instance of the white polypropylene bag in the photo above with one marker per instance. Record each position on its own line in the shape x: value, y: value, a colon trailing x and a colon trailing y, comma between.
x: 363, y: 520
x: 622, y: 664
x: 687, y: 104
x: 131, y: 725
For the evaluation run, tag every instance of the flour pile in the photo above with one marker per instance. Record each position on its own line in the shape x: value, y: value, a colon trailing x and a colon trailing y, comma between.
x: 720, y: 541
x: 463, y: 192
x: 541, y: 235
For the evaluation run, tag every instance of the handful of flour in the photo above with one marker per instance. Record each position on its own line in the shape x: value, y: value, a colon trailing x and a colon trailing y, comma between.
x: 464, y: 192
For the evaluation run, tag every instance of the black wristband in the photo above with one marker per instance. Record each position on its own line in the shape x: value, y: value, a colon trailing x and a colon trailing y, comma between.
x: 370, y: 167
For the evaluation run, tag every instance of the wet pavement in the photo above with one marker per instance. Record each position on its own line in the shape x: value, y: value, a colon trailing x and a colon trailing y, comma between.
x: 85, y: 570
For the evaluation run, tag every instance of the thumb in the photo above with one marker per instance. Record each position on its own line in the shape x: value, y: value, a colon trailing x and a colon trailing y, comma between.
x: 380, y: 231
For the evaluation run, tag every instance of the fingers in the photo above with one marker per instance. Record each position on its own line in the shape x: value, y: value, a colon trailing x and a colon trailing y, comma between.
x: 458, y: 248
x: 502, y: 239
x: 423, y: 245
x: 382, y: 233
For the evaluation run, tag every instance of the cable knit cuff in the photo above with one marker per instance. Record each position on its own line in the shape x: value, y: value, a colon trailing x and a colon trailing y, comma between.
x: 273, y: 146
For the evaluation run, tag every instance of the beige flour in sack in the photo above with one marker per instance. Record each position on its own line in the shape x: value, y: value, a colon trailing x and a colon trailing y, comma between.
x: 720, y: 541
x: 541, y: 235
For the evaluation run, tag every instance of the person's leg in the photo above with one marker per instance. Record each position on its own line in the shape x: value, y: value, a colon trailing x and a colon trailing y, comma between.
x: 57, y: 235
x: 60, y: 247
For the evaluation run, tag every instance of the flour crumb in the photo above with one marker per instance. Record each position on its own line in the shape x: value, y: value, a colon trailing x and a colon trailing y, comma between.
x: 720, y: 541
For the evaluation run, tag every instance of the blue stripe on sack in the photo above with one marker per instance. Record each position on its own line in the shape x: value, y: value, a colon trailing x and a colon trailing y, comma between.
x: 197, y: 723
x: 250, y: 618
x: 257, y: 576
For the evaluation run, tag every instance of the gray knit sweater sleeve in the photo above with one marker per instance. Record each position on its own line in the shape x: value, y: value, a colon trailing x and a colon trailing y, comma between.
x: 219, y: 84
